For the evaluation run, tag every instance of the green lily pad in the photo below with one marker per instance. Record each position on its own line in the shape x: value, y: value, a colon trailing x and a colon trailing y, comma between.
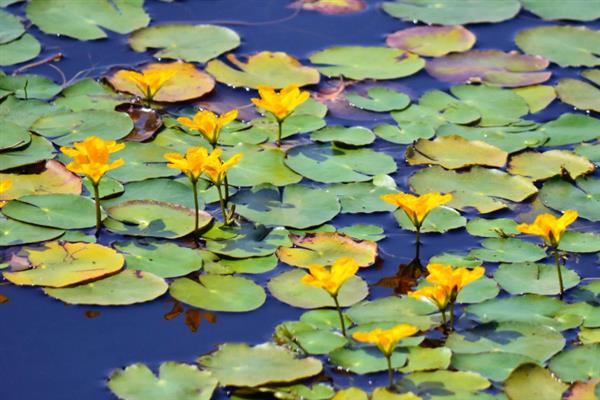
x: 567, y: 46
x: 20, y: 50
x: 482, y: 188
x: 219, y: 293
x: 241, y: 365
x: 157, y: 258
x: 165, y: 190
x: 297, y: 207
x: 364, y: 197
x: 253, y: 265
x: 405, y: 134
x: 522, y: 278
x: 496, y: 366
x: 25, y: 112
x: 455, y: 382
x: 331, y: 164
x: 248, y: 241
x: 476, y: 292
x: 14, y: 233
x: 452, y: 12
x: 508, y: 250
x: 63, y: 264
x: 537, y: 97
x: 571, y: 128
x: 153, y: 218
x: 531, y: 340
x: 531, y: 381
x: 30, y: 86
x: 64, y: 129
x: 287, y: 288
x: 365, y: 361
x: 142, y: 161
x: 432, y: 41
x: 107, y: 187
x: 380, y: 99
x: 363, y: 232
x: 583, y: 196
x: 423, y: 359
x: 126, y: 287
x: 539, y: 166
x: 64, y: 211
x: 454, y: 152
x: 362, y: 62
x: 39, y: 149
x: 325, y: 248
x: 192, y: 43
x: 577, y: 10
x: 439, y: 220
x: 83, y: 21
x: 308, y: 337
x: 579, y: 94
x: 12, y: 27
x: 353, y: 136
x: 589, y: 336
x: 88, y: 94
x: 493, y: 228
x: 456, y: 259
x: 399, y: 310
x: 589, y: 150
x: 580, y: 242
x: 175, y: 381
x: 579, y: 363
x: 276, y: 70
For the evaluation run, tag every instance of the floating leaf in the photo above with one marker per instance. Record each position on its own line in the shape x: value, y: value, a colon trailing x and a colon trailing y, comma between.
x: 165, y: 190
x: 496, y: 366
x: 54, y: 179
x: 332, y: 164
x: 399, y: 310
x: 531, y: 381
x: 192, y: 43
x: 187, y: 82
x: 88, y: 94
x: 583, y: 196
x: 14, y: 233
x: 157, y: 258
x: 422, y: 359
x: 363, y: 197
x: 29, y: 86
x: 298, y: 207
x: 365, y: 361
x: 331, y: 7
x: 567, y: 46
x: 495, y: 228
x: 64, y: 264
x: 589, y: 150
x: 175, y: 381
x: 405, y: 134
x: 571, y: 128
x: 454, y: 152
x: 529, y: 277
x: 276, y: 70
x: 23, y: 49
x: 508, y: 250
x: 579, y: 242
x: 248, y: 241
x: 84, y: 20
x: 478, y: 291
x: 25, y: 112
x: 578, y: 363
x: 451, y: 382
x: 440, y: 220
x: 126, y: 287
x: 363, y: 232
x: 241, y: 365
x: 491, y: 67
x: 12, y: 27
x: 577, y: 10
x: 361, y: 62
x: 579, y: 94
x: 539, y: 166
x: 537, y: 97
x: 65, y: 211
x: 380, y: 99
x: 353, y: 136
x: 153, y: 218
x: 452, y: 12
x: 287, y: 288
x: 325, y: 248
x: 432, y: 41
x: 224, y: 266
x: 219, y: 293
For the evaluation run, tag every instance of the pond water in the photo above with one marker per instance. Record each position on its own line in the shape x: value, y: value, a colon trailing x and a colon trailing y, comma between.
x: 55, y: 351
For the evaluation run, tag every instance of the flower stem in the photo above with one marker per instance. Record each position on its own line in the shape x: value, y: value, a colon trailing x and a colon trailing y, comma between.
x: 451, y: 316
x: 444, y: 321
x: 388, y: 358
x: 279, y: 129
x: 339, y: 310
x: 226, y: 182
x: 418, y: 243
x: 560, y: 278
x: 196, y: 207
x: 222, y: 205
x: 98, y: 209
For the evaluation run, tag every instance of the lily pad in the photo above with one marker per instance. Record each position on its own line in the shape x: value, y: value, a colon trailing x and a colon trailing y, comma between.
x: 496, y: 366
x: 451, y: 382
x: 14, y: 233
x: 153, y: 218
x: 54, y: 179
x: 225, y: 266
x: 455, y: 152
x: 439, y: 220
x: 175, y: 381
x: 476, y: 292
x: 165, y: 190
x: 531, y: 381
x: 219, y: 293
x: 404, y: 133
x: 508, y: 250
x: 363, y: 232
x: 579, y: 363
x: 432, y: 41
x: 12, y: 27
x: 29, y: 86
x: 567, y: 46
x: 65, y: 211
x: 484, y: 189
x: 325, y: 248
x: 297, y: 207
x: 84, y: 21
x: 157, y: 258
x: 20, y: 50
x: 332, y: 164
x: 192, y: 43
x: 88, y: 94
x: 539, y: 166
x: 528, y: 277
x: 399, y: 310
x: 142, y: 161
x: 580, y: 242
x: 236, y: 364
x: 365, y: 361
x: 579, y: 94
x: 364, y: 197
x: 380, y: 99
x: 248, y: 241
x: 353, y: 136
x: 494, y: 228
x: 583, y: 196
x: 577, y: 10
x: 452, y: 12
x: 571, y: 128
x: 126, y: 287
x: 537, y: 97
x: 361, y: 62
x: 589, y: 150
x: 423, y: 359
x: 276, y: 70
x: 64, y: 264
x: 331, y: 7
x: 491, y: 67
x: 287, y: 288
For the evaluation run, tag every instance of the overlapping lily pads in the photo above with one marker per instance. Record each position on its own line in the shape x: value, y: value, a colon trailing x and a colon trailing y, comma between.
x: 579, y: 94
x: 583, y: 196
x: 535, y: 278
x: 539, y: 166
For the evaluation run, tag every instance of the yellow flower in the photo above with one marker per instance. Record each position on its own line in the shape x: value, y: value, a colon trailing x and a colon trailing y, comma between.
x: 386, y: 339
x: 453, y: 278
x: 280, y: 104
x: 192, y: 163
x: 150, y: 81
x: 4, y: 186
x: 91, y: 157
x: 417, y: 207
x: 331, y: 280
x: 208, y: 124
x: 549, y: 227
x: 216, y: 169
x: 439, y: 295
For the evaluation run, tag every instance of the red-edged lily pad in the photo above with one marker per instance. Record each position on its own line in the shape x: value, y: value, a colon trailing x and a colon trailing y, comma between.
x: 330, y: 6
x: 432, y: 41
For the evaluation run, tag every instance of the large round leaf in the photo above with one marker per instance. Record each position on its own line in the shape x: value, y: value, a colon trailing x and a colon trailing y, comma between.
x: 193, y: 43
x: 522, y: 278
x: 459, y: 383
x: 380, y: 99
x: 580, y: 363
x: 247, y: 241
x: 39, y: 149
x: 126, y: 287
x: 241, y: 365
x: 23, y: 49
x: 496, y: 366
x: 260, y: 165
x: 175, y: 381
x: 287, y: 288
x: 432, y: 41
x: 571, y: 128
x: 537, y: 97
x: 219, y: 293
x: 54, y: 179
x: 440, y: 220
x: 353, y: 136
x: 365, y: 361
x: 538, y: 166
x: 142, y: 161
x: 365, y: 197
x: 500, y: 227
x: 12, y: 28
x: 508, y: 250
x: 14, y: 233
x: 578, y: 10
x: 400, y: 310
x: 580, y: 242
x: 29, y: 87
x: 579, y: 94
x: 531, y: 381
x: 165, y: 190
x: 584, y: 196
x: 60, y: 265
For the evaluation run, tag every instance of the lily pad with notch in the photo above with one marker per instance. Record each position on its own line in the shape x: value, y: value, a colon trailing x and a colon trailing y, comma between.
x: 508, y: 250
x: 380, y: 99
x: 439, y: 220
